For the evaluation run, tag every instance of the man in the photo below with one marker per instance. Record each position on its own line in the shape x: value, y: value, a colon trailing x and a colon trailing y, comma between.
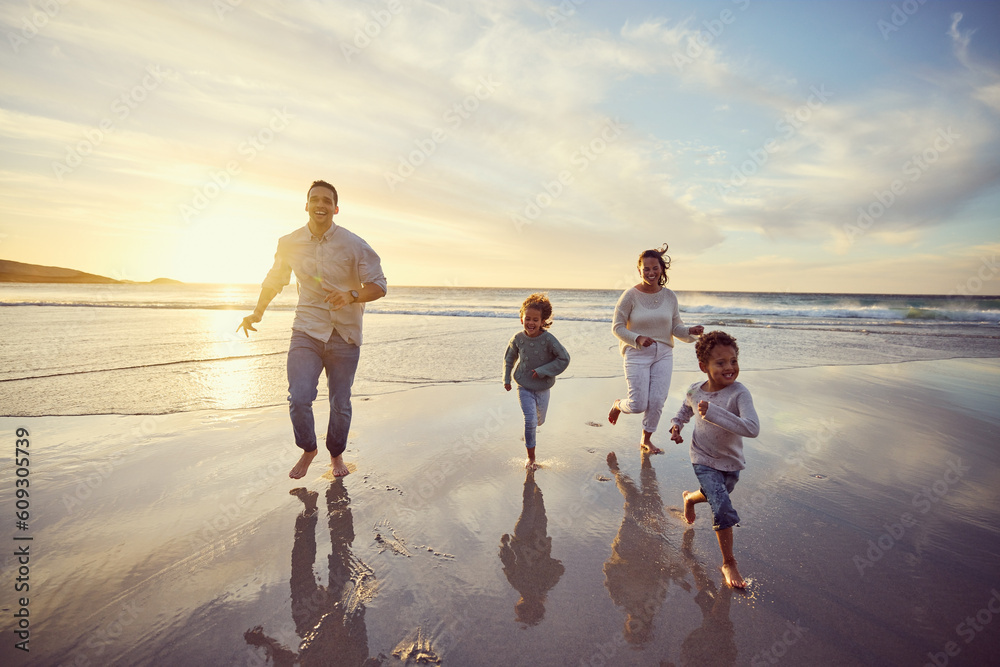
x: 337, y: 272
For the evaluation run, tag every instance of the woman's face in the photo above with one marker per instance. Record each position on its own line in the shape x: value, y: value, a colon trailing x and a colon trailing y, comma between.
x: 651, y: 271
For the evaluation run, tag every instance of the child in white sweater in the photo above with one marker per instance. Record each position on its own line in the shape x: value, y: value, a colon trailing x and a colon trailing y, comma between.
x: 725, y: 416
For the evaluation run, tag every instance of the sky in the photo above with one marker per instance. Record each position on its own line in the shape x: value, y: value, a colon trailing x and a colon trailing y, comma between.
x: 775, y: 146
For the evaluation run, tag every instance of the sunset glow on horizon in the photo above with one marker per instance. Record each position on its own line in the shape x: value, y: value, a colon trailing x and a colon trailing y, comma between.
x: 776, y: 146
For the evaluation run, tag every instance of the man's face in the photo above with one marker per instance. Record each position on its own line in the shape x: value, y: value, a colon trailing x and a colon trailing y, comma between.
x: 320, y: 207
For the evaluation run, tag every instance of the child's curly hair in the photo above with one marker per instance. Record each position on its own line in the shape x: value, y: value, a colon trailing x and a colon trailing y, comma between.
x: 703, y: 348
x: 541, y: 303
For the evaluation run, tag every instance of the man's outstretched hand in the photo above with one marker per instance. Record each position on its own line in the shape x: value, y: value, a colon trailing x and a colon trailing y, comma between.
x: 248, y: 322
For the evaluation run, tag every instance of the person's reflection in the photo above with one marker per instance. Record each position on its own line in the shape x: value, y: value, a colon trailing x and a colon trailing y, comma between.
x: 642, y: 563
x: 329, y: 620
x: 714, y: 643
x: 527, y: 556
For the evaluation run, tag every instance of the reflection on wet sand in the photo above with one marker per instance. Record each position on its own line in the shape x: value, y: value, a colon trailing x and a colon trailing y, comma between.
x: 714, y: 643
x: 329, y: 620
x: 642, y: 562
x: 527, y: 556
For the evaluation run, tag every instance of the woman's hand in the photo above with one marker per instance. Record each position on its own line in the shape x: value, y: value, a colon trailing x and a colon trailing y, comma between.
x: 644, y: 341
x: 696, y: 330
x: 703, y: 408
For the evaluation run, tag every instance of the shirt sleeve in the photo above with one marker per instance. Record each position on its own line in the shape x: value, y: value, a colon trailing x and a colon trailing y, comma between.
x: 620, y: 323
x: 743, y: 424
x: 557, y: 365
x: 509, y: 357
x: 280, y: 273
x: 681, y: 331
x: 370, y: 268
x: 685, y: 413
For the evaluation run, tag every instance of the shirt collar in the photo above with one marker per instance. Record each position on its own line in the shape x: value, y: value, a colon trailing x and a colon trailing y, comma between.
x: 326, y: 235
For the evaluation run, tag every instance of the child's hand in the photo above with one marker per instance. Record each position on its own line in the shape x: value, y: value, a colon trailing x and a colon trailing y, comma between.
x: 702, y: 407
x: 507, y: 387
x: 675, y: 434
x: 535, y: 375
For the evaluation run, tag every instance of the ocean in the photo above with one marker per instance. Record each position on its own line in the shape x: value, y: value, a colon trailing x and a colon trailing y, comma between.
x: 158, y: 349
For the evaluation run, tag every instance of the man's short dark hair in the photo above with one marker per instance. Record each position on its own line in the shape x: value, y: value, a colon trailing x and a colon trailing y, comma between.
x: 323, y: 184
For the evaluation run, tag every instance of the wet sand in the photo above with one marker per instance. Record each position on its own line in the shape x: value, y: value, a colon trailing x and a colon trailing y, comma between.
x: 870, y: 532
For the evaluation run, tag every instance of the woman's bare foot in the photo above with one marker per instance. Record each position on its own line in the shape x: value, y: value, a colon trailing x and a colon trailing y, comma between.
x: 615, y: 411
x: 732, y: 575
x: 647, y: 444
x: 339, y: 467
x: 300, y: 469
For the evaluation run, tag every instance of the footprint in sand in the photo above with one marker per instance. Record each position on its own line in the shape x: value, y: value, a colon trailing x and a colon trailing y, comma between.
x: 594, y: 424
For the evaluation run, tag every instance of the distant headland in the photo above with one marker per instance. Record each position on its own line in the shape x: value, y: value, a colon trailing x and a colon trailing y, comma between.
x: 19, y: 272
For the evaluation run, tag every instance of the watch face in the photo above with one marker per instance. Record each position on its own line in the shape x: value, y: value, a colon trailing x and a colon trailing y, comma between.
x: 354, y: 293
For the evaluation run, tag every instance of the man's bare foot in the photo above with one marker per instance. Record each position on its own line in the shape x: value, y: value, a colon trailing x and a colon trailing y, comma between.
x: 300, y: 468
x: 689, y: 507
x: 531, y: 465
x: 615, y: 411
x: 339, y: 467
x: 732, y: 575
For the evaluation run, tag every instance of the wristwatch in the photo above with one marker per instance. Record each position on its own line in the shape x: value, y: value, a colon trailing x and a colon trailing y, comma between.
x: 354, y: 293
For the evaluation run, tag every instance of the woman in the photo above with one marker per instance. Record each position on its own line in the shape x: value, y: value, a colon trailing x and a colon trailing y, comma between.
x: 646, y: 322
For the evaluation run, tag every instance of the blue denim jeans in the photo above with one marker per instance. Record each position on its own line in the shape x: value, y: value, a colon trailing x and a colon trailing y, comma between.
x: 307, y: 356
x: 534, y: 405
x: 716, y: 485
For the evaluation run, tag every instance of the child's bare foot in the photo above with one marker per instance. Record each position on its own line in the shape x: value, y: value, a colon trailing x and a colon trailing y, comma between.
x: 689, y: 507
x: 732, y: 575
x: 339, y: 467
x: 531, y: 465
x: 615, y: 411
x: 299, y: 470
x: 612, y: 462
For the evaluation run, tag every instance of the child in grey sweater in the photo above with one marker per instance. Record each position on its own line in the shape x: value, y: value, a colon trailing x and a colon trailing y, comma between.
x: 725, y: 415
x: 540, y: 358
